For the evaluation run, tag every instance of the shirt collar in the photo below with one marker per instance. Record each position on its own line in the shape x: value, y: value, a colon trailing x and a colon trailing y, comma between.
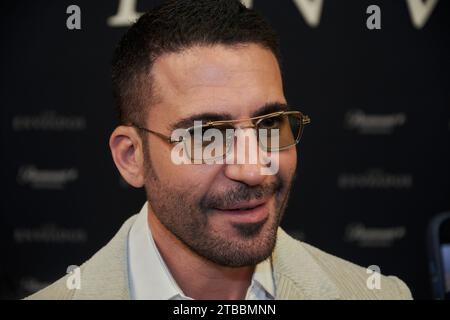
x: 147, y: 269
x: 263, y: 277
x: 146, y: 266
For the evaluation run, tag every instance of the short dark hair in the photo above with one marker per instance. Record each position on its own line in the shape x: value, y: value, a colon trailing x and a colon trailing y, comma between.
x: 173, y: 26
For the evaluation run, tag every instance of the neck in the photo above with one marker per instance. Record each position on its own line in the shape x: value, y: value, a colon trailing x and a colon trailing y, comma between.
x: 198, y: 277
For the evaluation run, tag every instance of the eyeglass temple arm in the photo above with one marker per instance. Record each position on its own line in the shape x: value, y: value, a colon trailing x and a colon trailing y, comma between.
x: 162, y: 136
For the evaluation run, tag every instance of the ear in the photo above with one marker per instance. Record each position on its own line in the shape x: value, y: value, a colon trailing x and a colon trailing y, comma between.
x: 127, y: 153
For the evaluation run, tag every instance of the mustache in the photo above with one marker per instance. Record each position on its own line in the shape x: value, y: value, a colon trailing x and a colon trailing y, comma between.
x: 241, y: 192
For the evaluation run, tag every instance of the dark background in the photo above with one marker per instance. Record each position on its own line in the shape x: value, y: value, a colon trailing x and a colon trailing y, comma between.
x: 373, y: 165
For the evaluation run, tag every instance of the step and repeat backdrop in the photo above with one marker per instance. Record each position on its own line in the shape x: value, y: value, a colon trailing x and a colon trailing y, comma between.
x: 374, y: 165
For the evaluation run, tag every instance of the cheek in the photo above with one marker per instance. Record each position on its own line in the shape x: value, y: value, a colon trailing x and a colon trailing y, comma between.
x: 287, y: 163
x: 196, y: 179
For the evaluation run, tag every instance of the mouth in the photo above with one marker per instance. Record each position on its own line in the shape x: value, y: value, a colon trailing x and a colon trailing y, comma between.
x: 246, y: 211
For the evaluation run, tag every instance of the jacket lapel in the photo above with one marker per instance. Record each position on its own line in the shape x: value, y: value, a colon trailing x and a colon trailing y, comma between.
x: 297, y: 275
x: 105, y: 275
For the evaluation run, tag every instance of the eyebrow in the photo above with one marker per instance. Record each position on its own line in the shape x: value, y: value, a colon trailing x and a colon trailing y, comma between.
x: 270, y: 108
x: 213, y: 116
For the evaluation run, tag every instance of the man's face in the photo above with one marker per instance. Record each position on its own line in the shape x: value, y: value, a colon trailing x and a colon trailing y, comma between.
x: 201, y: 204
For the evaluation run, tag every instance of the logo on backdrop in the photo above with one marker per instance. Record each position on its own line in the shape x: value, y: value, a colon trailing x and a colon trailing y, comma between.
x: 364, y: 237
x: 49, y: 233
x: 310, y: 10
x: 46, y: 178
x: 375, y: 179
x: 364, y: 123
x: 48, y: 120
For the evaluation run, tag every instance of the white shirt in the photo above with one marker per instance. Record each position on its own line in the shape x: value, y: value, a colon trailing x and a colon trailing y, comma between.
x: 150, y: 279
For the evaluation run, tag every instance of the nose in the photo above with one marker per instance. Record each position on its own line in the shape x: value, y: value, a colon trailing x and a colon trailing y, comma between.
x: 245, y: 161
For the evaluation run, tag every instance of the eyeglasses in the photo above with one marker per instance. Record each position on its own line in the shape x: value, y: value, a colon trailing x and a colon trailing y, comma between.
x: 284, y: 127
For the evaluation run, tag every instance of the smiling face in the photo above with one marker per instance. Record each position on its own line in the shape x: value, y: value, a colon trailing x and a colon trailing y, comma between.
x: 226, y: 213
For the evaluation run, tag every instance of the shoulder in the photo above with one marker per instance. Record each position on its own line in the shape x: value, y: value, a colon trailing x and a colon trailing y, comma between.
x: 351, y: 281
x: 103, y: 276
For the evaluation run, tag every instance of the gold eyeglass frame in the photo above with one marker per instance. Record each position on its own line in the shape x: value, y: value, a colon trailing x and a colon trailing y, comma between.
x: 303, y: 120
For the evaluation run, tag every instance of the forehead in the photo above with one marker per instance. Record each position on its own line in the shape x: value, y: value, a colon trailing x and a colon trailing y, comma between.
x: 236, y: 80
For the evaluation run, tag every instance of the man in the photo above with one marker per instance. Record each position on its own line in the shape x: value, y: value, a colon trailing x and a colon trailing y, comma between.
x: 210, y: 229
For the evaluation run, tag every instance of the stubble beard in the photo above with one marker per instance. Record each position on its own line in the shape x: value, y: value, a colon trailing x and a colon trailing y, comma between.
x: 186, y: 216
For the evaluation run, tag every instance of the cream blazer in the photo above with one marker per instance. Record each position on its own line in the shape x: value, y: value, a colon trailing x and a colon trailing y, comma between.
x: 301, y: 272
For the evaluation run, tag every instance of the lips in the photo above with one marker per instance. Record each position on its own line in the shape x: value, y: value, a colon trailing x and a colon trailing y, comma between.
x: 245, y: 211
x: 243, y: 205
